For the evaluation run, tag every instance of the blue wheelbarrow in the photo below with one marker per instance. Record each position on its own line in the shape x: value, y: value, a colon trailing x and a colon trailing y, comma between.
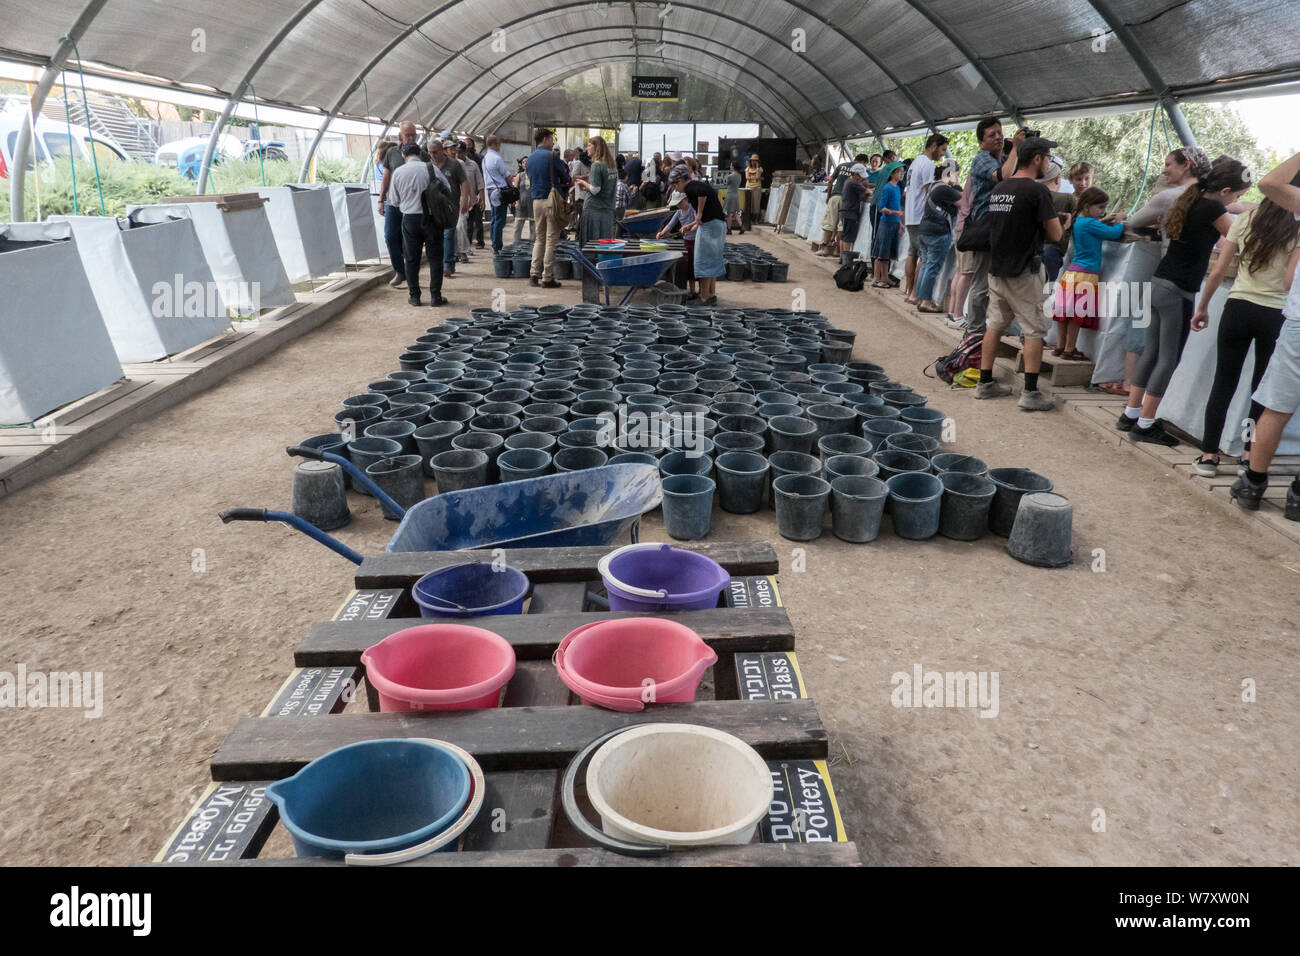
x: 644, y: 224
x: 636, y: 272
x: 591, y: 507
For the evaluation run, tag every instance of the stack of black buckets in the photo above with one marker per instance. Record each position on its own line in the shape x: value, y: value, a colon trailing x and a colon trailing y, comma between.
x: 745, y: 406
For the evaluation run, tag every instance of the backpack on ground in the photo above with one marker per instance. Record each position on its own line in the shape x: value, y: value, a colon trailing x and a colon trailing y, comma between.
x: 439, y: 203
x: 965, y: 356
x: 852, y: 277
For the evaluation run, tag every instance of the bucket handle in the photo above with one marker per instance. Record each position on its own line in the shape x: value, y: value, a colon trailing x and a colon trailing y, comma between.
x: 359, y: 476
x: 449, y: 835
x: 569, y: 801
x: 602, y: 568
x: 620, y: 704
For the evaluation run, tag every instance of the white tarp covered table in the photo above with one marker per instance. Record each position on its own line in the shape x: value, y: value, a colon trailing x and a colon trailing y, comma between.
x: 356, y: 214
x: 54, y: 346
x: 151, y: 281
x: 240, y: 249
x: 306, y: 233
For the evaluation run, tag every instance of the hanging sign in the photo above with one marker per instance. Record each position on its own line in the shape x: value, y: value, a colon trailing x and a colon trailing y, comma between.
x: 659, y: 88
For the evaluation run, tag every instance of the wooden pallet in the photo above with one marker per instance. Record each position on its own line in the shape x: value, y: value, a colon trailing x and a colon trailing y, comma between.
x: 524, y: 745
x: 69, y: 434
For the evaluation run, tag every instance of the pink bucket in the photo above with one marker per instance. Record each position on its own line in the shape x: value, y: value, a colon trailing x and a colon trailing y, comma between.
x: 439, y: 667
x: 625, y: 663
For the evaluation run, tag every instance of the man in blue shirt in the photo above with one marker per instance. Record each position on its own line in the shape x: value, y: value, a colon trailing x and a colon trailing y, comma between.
x: 545, y: 170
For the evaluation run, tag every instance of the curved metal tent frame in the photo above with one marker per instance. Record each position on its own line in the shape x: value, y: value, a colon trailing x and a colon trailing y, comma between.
x: 545, y: 80
x: 846, y: 32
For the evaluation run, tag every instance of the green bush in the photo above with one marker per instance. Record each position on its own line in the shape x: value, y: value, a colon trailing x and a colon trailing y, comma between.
x: 136, y: 183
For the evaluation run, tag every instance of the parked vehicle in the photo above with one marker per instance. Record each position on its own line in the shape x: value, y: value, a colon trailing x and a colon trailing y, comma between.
x: 52, y: 143
x: 186, y: 154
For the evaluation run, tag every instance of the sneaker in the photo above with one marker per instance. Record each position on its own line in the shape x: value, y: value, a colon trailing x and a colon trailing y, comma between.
x: 1036, y: 401
x: 1124, y: 423
x: 397, y: 281
x: 534, y: 280
x: 955, y: 323
x: 1292, y: 503
x: 1155, y: 435
x: 413, y: 300
x: 550, y: 284
x: 1248, y: 495
x: 1206, y: 466
x: 991, y: 390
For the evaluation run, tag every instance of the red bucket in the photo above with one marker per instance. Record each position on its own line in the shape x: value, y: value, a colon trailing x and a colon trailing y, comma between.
x: 625, y: 663
x: 439, y: 667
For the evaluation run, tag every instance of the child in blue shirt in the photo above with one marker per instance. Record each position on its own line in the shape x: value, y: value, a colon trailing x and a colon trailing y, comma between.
x: 884, y: 244
x: 1075, y: 302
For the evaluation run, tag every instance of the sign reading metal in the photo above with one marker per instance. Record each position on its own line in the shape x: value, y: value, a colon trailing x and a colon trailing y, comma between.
x: 660, y: 88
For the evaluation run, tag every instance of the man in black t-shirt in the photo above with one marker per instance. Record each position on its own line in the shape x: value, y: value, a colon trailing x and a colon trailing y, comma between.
x: 1021, y: 217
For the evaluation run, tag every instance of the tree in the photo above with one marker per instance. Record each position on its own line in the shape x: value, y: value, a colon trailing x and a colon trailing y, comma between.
x: 1121, y: 146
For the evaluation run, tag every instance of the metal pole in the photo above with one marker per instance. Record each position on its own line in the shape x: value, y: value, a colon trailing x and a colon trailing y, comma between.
x: 23, y: 146
x: 242, y: 87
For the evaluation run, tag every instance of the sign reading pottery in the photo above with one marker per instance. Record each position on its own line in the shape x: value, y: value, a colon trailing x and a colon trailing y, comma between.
x: 662, y: 89
x: 803, y: 804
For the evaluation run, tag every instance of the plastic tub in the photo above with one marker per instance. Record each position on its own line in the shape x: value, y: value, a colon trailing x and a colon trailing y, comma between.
x: 914, y: 504
x: 792, y: 433
x: 625, y: 663
x: 1012, y: 484
x: 679, y: 785
x: 688, y: 505
x: 439, y: 667
x: 949, y: 461
x: 911, y: 441
x: 857, y: 504
x: 800, y: 502
x: 482, y: 589
x: 376, y: 796
x: 893, y: 462
x: 659, y: 577
x: 964, y: 510
x: 742, y: 476
x: 925, y: 421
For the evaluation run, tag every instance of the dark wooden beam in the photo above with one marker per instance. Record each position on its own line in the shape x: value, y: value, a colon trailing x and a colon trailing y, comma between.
x: 536, y: 636
x: 511, y: 738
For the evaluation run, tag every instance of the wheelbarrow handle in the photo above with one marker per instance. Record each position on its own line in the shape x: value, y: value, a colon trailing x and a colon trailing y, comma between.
x: 358, y: 476
x: 300, y: 524
x: 242, y: 514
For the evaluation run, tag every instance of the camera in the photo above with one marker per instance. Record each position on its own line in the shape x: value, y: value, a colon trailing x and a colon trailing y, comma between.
x: 1030, y: 132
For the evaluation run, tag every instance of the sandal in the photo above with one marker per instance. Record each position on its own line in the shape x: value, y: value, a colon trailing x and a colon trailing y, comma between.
x: 1058, y: 352
x: 932, y: 310
x: 1074, y: 355
x: 1114, y: 388
x: 881, y: 285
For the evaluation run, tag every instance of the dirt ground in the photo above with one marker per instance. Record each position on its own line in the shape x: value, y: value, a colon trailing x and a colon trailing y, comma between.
x: 1121, y: 735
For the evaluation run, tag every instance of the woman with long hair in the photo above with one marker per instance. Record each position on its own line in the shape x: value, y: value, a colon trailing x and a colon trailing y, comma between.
x: 1183, y: 166
x: 1279, y: 390
x: 1264, y: 239
x: 600, y: 183
x: 1196, y: 221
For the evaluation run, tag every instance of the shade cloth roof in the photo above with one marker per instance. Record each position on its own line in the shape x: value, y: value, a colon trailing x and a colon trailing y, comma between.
x: 818, y: 69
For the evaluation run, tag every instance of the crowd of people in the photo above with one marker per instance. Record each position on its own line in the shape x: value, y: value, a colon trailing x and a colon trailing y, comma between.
x: 554, y: 194
x: 1020, y: 214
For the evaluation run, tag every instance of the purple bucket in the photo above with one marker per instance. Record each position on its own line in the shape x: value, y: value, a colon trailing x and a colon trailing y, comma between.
x: 659, y: 577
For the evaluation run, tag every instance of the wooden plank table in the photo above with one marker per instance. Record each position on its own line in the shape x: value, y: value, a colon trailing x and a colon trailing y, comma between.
x: 524, y: 745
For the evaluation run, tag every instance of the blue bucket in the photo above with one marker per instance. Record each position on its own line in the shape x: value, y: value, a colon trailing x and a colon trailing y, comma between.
x: 478, y: 587
x: 376, y: 796
x: 659, y: 577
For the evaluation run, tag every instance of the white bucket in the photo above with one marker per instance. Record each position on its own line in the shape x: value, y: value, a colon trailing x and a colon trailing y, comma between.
x: 679, y: 784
